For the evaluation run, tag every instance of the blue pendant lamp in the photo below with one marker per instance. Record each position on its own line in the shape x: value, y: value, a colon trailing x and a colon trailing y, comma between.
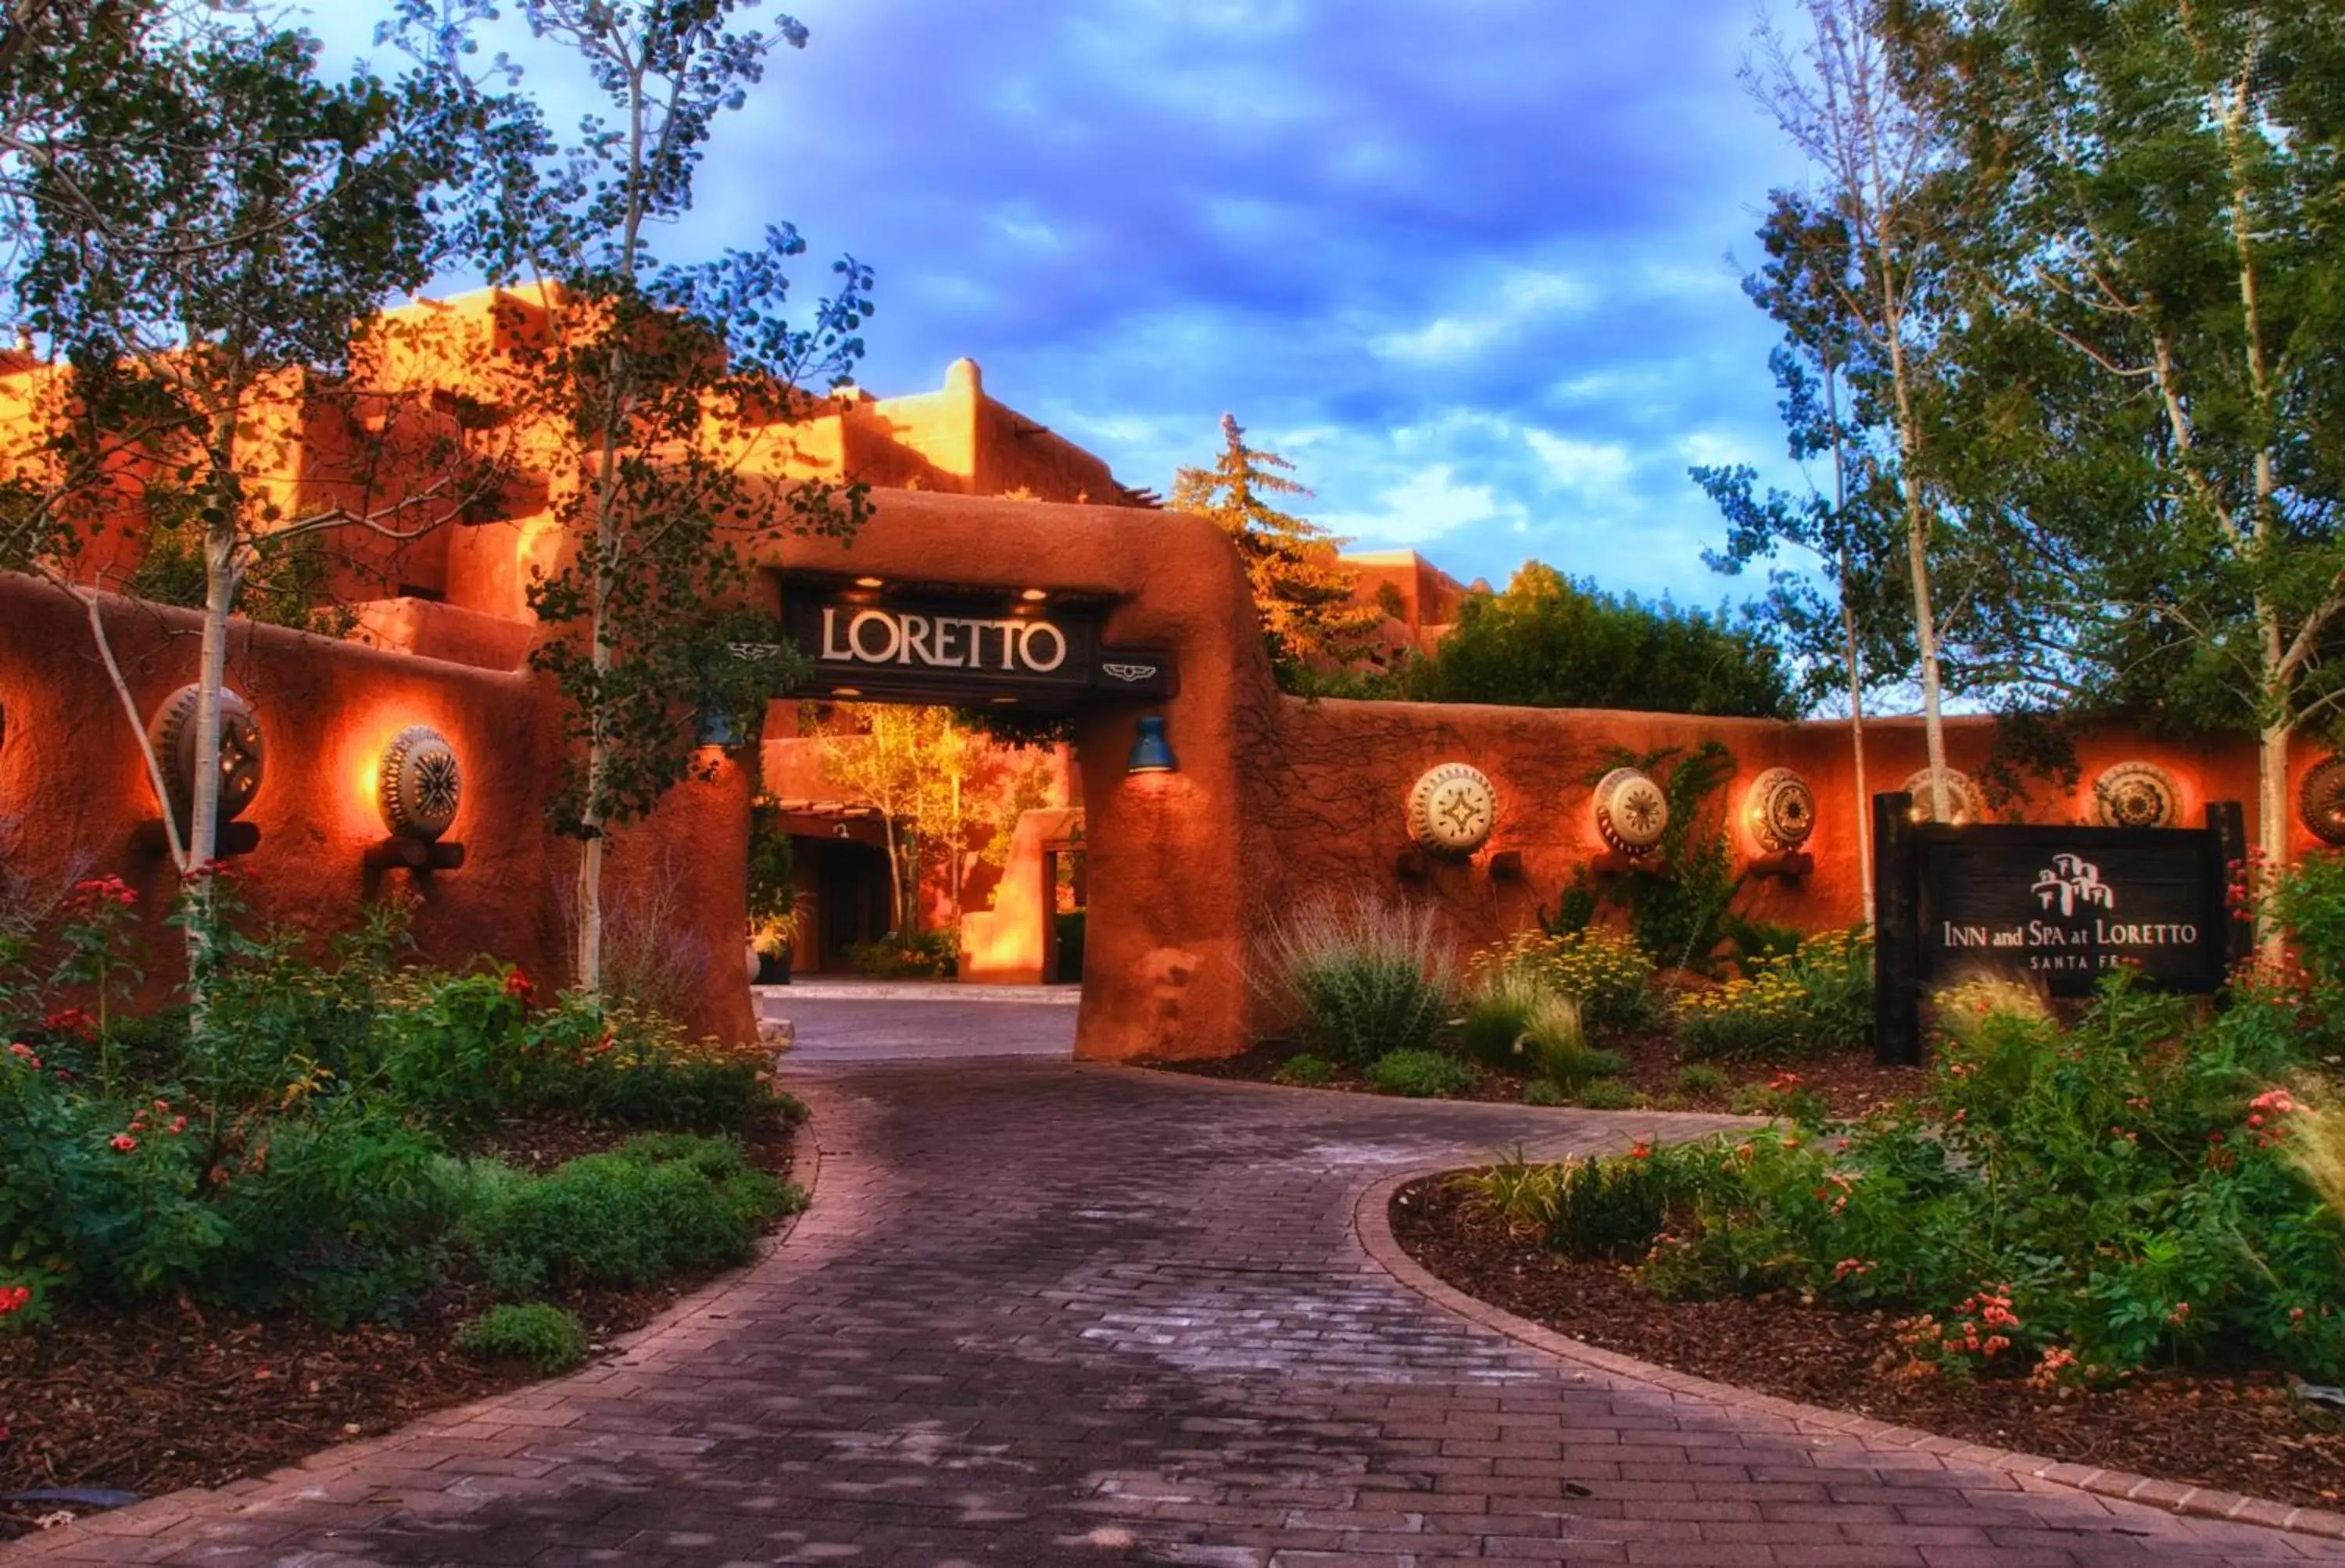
x: 1151, y: 752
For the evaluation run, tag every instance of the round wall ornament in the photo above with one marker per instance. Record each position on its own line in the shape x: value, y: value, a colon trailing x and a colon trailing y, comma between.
x: 2321, y: 800
x: 1966, y: 801
x: 420, y: 784
x: 1452, y: 809
x: 2137, y: 794
x: 1631, y: 813
x: 242, y: 754
x: 1780, y: 809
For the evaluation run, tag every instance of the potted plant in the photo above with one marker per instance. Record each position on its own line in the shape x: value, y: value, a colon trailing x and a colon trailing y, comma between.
x: 776, y: 904
x: 774, y: 937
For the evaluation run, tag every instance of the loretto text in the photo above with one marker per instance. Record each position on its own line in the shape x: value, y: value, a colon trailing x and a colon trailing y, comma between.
x: 2103, y: 944
x: 943, y: 642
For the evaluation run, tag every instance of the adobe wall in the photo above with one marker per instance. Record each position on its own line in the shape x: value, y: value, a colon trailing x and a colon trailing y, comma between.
x: 72, y: 779
x: 1275, y: 801
x: 1333, y: 779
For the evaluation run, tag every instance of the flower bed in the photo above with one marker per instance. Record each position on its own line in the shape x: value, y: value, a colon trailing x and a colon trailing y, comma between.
x: 1578, y: 1017
x: 2116, y: 1237
x: 264, y: 1232
x: 2242, y: 1433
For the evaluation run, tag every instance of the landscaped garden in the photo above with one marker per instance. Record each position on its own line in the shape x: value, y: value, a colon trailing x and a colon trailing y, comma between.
x: 2113, y: 1233
x: 323, y: 1191
x: 1377, y: 1000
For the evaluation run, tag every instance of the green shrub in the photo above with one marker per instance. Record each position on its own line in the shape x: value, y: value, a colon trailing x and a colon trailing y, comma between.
x: 1364, y: 980
x: 1757, y: 943
x: 1783, y: 1096
x: 1497, y: 1013
x: 925, y: 955
x: 1701, y: 1078
x: 1306, y: 1071
x: 1603, y: 969
x: 547, y: 1338
x: 1419, y: 1075
x: 1558, y: 1047
x: 1616, y: 1208
x: 343, y: 1211
x: 1608, y: 1095
x: 1539, y: 1092
x: 654, y: 1207
x: 2083, y: 1201
x: 1814, y: 999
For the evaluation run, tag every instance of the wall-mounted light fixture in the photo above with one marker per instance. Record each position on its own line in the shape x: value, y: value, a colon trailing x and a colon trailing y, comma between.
x: 1151, y: 751
x: 418, y: 786
x: 243, y: 758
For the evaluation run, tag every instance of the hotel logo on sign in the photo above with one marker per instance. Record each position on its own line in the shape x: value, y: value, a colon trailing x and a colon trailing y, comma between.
x: 2073, y: 884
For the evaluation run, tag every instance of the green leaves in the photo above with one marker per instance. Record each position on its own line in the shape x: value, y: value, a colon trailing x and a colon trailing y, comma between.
x: 1549, y: 641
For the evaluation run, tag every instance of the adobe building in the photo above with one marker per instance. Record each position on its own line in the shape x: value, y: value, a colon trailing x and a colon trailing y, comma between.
x: 1001, y: 566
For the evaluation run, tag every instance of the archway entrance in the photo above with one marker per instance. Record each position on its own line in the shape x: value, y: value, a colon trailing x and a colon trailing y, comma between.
x: 1034, y: 661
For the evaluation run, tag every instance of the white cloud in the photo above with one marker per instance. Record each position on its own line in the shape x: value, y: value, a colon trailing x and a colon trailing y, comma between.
x: 1427, y: 504
x: 1715, y: 448
x: 1520, y: 298
x: 1582, y: 466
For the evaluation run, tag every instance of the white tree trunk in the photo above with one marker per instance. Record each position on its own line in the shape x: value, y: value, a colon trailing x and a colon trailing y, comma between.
x: 2272, y: 818
x: 589, y: 915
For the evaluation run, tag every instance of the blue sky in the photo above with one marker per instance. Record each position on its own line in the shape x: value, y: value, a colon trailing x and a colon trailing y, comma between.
x: 1471, y: 265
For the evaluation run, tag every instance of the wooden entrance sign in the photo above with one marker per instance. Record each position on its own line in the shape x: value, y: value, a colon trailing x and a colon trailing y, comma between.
x: 2055, y: 908
x: 964, y: 648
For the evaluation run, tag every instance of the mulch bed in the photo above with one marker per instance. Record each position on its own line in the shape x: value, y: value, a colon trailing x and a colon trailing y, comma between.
x: 2246, y: 1433
x: 167, y: 1395
x: 1849, y: 1081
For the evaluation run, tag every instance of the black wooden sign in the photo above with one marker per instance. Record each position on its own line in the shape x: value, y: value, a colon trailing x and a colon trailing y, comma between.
x: 2057, y: 908
x: 964, y: 651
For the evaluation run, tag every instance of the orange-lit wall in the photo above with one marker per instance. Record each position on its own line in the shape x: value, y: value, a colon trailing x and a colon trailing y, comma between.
x: 70, y: 774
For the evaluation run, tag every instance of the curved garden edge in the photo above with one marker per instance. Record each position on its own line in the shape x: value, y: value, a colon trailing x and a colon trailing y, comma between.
x: 1372, y: 1226
x: 154, y: 1515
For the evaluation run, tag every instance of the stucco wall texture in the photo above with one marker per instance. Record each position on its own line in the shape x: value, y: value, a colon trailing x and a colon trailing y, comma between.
x: 1276, y: 801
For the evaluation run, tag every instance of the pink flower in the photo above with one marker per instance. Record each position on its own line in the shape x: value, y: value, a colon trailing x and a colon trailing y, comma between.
x: 122, y: 1143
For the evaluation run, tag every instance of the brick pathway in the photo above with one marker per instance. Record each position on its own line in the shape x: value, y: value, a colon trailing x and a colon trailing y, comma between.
x: 1049, y: 1314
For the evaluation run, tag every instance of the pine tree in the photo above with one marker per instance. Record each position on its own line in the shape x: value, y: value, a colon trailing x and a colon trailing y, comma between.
x: 1302, y: 591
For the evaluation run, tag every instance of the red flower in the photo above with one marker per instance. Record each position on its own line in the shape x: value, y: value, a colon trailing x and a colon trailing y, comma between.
x: 95, y: 890
x: 178, y: 1125
x: 69, y: 1021
x: 13, y: 1299
x: 518, y: 987
x: 122, y: 1143
x: 1640, y: 1150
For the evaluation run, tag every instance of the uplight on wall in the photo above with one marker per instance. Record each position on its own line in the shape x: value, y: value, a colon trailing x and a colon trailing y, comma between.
x: 1151, y: 751
x: 418, y: 786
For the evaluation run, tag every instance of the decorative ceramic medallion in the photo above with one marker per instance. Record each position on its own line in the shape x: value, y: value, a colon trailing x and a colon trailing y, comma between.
x: 1631, y: 813
x: 2137, y: 794
x: 172, y: 732
x: 1452, y: 809
x: 1968, y: 801
x: 420, y: 784
x: 2321, y: 800
x: 1780, y: 809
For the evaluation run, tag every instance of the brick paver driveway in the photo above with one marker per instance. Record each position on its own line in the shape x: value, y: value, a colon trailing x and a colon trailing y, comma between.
x: 1043, y: 1313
